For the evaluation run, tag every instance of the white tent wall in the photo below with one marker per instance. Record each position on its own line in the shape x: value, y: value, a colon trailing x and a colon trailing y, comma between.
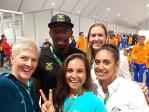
x: 75, y: 21
x: 144, y: 29
x: 36, y: 25
x: 118, y: 28
x: 85, y: 24
x: 11, y: 25
x: 29, y: 26
x: 8, y: 31
x: 145, y: 33
x: 19, y: 26
x: 145, y: 25
x: 97, y: 21
x: 42, y: 19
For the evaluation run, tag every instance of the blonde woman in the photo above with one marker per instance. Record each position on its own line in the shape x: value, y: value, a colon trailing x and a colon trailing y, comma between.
x: 16, y: 88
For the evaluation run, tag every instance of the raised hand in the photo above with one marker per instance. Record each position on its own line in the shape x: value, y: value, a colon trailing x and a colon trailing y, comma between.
x: 145, y: 91
x: 47, y: 106
x: 144, y: 88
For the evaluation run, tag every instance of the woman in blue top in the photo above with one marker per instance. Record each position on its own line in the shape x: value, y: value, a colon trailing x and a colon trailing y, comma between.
x: 73, y: 89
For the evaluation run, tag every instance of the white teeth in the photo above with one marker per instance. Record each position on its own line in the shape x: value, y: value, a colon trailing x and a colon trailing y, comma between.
x: 74, y: 81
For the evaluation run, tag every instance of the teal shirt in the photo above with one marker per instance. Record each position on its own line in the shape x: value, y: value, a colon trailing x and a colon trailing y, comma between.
x: 87, y: 102
x: 15, y: 96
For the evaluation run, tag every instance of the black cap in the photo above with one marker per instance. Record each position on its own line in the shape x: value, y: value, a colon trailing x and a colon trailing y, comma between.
x: 60, y: 18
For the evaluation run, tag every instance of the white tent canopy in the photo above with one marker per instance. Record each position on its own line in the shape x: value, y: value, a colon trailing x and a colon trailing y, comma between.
x: 125, y: 12
x: 120, y: 16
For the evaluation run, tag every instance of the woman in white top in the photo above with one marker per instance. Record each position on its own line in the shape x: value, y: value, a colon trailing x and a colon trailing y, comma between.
x: 118, y: 93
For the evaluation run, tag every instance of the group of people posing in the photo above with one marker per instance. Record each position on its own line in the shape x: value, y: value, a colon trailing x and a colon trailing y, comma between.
x: 68, y: 79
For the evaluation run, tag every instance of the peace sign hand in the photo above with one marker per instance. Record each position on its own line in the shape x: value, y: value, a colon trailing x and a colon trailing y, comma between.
x: 47, y: 106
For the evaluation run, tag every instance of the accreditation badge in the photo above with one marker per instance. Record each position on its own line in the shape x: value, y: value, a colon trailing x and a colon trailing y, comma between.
x: 49, y: 66
x: 116, y: 109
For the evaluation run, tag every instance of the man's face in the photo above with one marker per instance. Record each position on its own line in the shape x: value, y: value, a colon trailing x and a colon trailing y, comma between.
x: 141, y: 40
x: 60, y: 36
x: 82, y: 35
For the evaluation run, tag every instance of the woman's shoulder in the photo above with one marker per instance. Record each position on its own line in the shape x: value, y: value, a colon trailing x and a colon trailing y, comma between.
x: 6, y: 86
x: 90, y: 93
x: 130, y: 85
x: 128, y: 82
x: 5, y: 82
x: 92, y: 97
x: 96, y: 102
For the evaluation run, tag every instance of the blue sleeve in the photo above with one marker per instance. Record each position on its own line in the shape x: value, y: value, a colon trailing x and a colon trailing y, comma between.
x: 6, y: 95
x: 10, y: 100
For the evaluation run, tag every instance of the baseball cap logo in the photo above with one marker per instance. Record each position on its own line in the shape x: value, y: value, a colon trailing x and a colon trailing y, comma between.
x: 60, y: 18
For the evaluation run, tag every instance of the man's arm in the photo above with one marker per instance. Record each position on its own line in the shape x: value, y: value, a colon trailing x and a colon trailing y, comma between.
x: 37, y: 86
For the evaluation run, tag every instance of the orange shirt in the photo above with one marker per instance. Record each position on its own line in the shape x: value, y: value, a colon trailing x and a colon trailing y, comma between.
x: 130, y: 41
x: 147, y: 45
x: 81, y: 44
x: 147, y: 63
x: 115, y: 41
x: 139, y: 54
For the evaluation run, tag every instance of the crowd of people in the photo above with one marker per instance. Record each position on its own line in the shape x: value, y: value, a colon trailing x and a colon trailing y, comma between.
x: 88, y: 75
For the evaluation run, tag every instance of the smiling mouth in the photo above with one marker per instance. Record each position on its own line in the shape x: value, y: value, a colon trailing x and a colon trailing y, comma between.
x: 101, y: 73
x: 27, y: 70
x: 60, y: 42
x: 98, y: 44
x: 74, y: 81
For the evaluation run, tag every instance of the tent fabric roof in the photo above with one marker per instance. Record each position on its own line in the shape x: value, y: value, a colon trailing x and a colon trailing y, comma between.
x: 125, y: 12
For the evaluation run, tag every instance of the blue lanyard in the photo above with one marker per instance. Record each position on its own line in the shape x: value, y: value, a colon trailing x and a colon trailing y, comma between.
x: 55, y: 56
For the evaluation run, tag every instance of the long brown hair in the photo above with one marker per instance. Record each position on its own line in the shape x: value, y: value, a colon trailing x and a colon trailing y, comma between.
x: 62, y: 88
x: 90, y: 52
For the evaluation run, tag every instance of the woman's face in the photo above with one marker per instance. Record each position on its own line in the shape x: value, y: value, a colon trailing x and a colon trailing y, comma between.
x: 105, y: 66
x: 97, y: 37
x: 75, y: 74
x: 24, y: 64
